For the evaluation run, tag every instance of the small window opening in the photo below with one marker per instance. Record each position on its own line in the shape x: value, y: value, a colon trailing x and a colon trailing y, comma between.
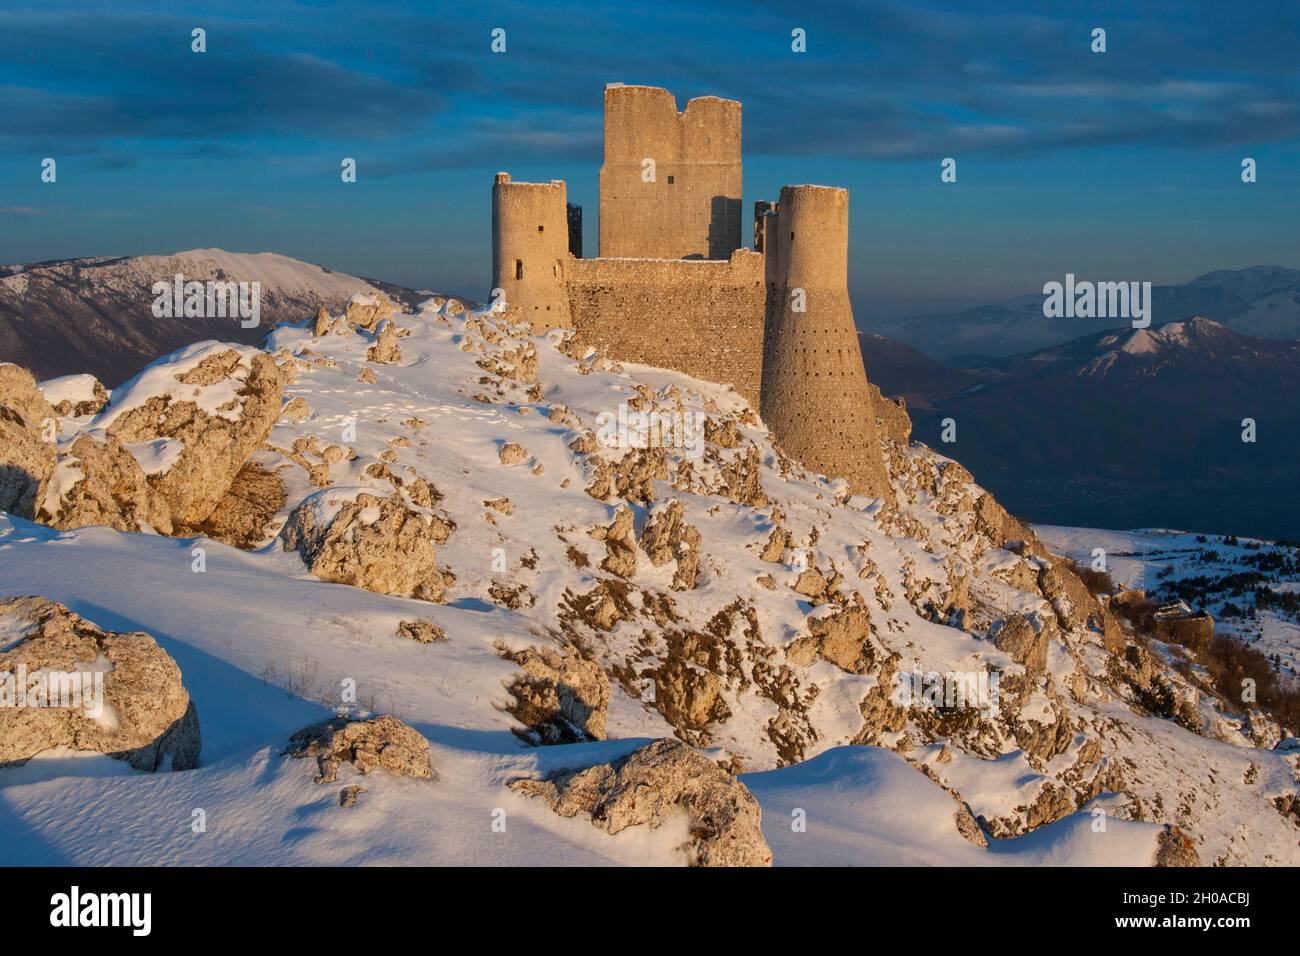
x: 519, y: 268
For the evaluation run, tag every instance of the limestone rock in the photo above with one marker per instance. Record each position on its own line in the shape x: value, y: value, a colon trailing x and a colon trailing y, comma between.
x: 667, y: 537
x: 892, y: 421
x: 20, y: 393
x: 777, y: 542
x: 145, y: 716
x: 243, y: 516
x: 653, y: 784
x: 741, y: 479
x: 722, y: 432
x: 214, y: 446
x: 844, y: 639
x: 631, y: 478
x: 1025, y: 640
x: 1176, y: 848
x: 620, y: 544
x: 367, y: 311
x: 385, y: 350
x: 421, y: 631
x: 296, y: 410
x: 101, y: 483
x: 689, y: 696
x: 512, y: 453
x: 380, y: 544
x: 811, y: 583
x: 380, y: 743
x: 1074, y: 604
x: 26, y: 459
x: 559, y: 697
x: 73, y: 396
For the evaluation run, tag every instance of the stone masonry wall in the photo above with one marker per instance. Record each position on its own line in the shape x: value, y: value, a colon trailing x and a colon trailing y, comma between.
x: 692, y: 208
x: 704, y: 318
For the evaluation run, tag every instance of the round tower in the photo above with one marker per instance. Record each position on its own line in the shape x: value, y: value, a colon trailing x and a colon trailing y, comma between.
x: 530, y: 246
x: 814, y: 390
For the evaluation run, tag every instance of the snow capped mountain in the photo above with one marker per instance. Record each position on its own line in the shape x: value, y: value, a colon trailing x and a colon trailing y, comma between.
x: 430, y: 518
x: 1132, y: 427
x: 1261, y: 301
x: 96, y: 314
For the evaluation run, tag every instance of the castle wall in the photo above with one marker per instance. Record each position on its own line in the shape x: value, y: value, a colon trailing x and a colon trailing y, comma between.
x: 530, y: 247
x: 704, y: 318
x: 814, y: 392
x: 692, y: 209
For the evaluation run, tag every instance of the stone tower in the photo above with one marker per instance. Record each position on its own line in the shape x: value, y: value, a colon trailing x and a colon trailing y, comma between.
x: 814, y: 394
x: 690, y: 209
x: 530, y: 247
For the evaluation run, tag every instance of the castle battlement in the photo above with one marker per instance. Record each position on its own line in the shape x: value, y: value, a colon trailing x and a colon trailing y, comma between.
x: 673, y: 287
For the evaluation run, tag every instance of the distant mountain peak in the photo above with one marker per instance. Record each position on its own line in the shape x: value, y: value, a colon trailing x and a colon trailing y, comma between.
x: 1260, y: 301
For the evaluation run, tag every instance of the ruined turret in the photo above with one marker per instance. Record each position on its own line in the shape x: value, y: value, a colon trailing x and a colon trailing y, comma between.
x: 530, y: 247
x: 814, y: 394
x: 671, y: 182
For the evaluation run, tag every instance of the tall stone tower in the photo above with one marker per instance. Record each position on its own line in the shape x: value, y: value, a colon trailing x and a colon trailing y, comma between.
x: 814, y: 394
x: 530, y: 246
x: 670, y: 187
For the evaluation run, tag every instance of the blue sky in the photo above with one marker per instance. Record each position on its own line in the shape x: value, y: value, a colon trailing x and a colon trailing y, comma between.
x: 1122, y: 165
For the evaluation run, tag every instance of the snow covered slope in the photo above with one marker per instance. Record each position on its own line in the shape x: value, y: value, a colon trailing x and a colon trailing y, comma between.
x: 781, y: 656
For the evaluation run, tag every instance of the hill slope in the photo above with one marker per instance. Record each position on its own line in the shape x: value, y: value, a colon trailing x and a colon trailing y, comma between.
x: 95, y: 315
x: 726, y: 599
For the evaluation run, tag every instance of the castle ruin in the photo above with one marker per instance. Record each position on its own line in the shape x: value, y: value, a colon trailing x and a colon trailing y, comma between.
x: 674, y: 288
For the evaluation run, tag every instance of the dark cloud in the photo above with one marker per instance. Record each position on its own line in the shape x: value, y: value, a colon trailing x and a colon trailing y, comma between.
x: 880, y: 80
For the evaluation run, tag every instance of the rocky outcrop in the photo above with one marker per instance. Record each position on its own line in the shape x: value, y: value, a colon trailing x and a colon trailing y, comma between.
x: 380, y: 743
x: 892, y: 421
x: 115, y: 694
x: 631, y: 478
x: 655, y: 783
x: 216, y: 445
x: 367, y: 311
x: 101, y: 483
x: 421, y: 631
x: 844, y: 638
x: 1025, y: 640
x: 244, y: 514
x: 512, y: 453
x: 559, y: 698
x: 26, y: 457
x: 688, y: 695
x: 385, y: 350
x: 74, y: 396
x: 620, y: 543
x: 1176, y: 848
x: 667, y: 537
x: 383, y: 545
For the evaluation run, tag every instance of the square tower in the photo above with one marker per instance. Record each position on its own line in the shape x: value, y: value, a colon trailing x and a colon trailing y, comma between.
x: 670, y: 186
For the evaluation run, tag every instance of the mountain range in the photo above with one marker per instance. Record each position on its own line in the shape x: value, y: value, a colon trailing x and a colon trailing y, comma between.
x: 1261, y: 301
x: 95, y: 314
x: 1124, y: 427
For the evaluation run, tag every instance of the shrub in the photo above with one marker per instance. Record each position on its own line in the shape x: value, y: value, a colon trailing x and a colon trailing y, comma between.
x: 1097, y: 582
